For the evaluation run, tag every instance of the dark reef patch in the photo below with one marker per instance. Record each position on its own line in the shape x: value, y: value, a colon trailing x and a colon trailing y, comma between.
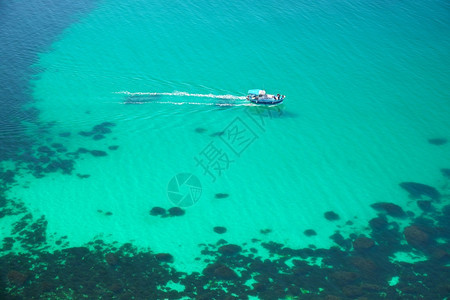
x: 57, y: 145
x: 341, y: 241
x: 219, y: 271
x: 363, y: 243
x: 113, y: 147
x: 219, y: 229
x: 361, y: 267
x: 416, y: 236
x: 437, y: 141
x: 176, y: 211
x: 112, y: 259
x: 98, y: 153
x: 200, y: 130
x: 221, y: 195
x: 445, y: 172
x: 417, y: 190
x: 230, y: 249
x: 85, y: 133
x: 425, y: 205
x: 6, y: 177
x: 331, y: 216
x: 99, y: 131
x: 310, y: 232
x: 98, y: 137
x: 218, y: 133
x: 16, y: 278
x: 164, y: 257
x: 83, y: 176
x: 157, y: 211
x: 390, y: 209
x: 82, y: 150
x: 65, y: 134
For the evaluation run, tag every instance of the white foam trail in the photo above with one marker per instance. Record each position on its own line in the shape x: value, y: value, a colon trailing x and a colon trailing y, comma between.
x: 189, y: 103
x: 183, y: 94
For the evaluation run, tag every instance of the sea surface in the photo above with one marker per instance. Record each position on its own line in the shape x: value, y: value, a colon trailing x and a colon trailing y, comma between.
x: 127, y: 146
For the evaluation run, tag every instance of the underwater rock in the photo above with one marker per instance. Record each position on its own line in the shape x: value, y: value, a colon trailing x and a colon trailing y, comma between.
x: 176, y: 211
x: 219, y: 133
x: 417, y: 190
x: 61, y: 150
x: 83, y: 176
x: 116, y: 287
x: 157, y: 211
x: 107, y: 124
x: 98, y: 153
x: 446, y: 210
x: 391, y: 209
x: 16, y: 277
x: 415, y: 236
x: 100, y: 129
x: 225, y: 273
x: 440, y: 254
x: 113, y: 147
x: 219, y: 271
x: 230, y: 249
x: 64, y: 134
x: 85, y: 133
x: 82, y: 150
x: 331, y: 216
x: 8, y: 243
x: 364, y: 264
x: 57, y: 145
x: 221, y: 195
x: 425, y: 205
x: 437, y: 141
x: 79, y: 252
x: 111, y: 259
x: 220, y: 229
x: 363, y: 243
x: 48, y: 286
x: 45, y: 149
x: 66, y: 166
x: 98, y: 137
x: 7, y: 176
x: 379, y: 223
x: 341, y: 241
x: 164, y: 257
x: 445, y: 172
x: 352, y: 291
x: 200, y: 130
x: 309, y: 232
x: 344, y: 277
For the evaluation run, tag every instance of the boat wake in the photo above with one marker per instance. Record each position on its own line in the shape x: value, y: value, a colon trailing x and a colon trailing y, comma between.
x: 151, y: 97
x: 184, y: 94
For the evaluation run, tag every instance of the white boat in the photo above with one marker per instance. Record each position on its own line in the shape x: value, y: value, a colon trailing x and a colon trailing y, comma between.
x: 259, y: 96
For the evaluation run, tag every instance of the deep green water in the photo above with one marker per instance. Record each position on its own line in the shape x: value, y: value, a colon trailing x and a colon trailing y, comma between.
x: 366, y: 86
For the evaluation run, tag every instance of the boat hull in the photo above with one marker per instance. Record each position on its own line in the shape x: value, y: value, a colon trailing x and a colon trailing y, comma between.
x: 265, y: 101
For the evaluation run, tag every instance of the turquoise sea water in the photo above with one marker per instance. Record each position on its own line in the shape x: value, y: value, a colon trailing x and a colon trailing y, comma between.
x: 366, y: 86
